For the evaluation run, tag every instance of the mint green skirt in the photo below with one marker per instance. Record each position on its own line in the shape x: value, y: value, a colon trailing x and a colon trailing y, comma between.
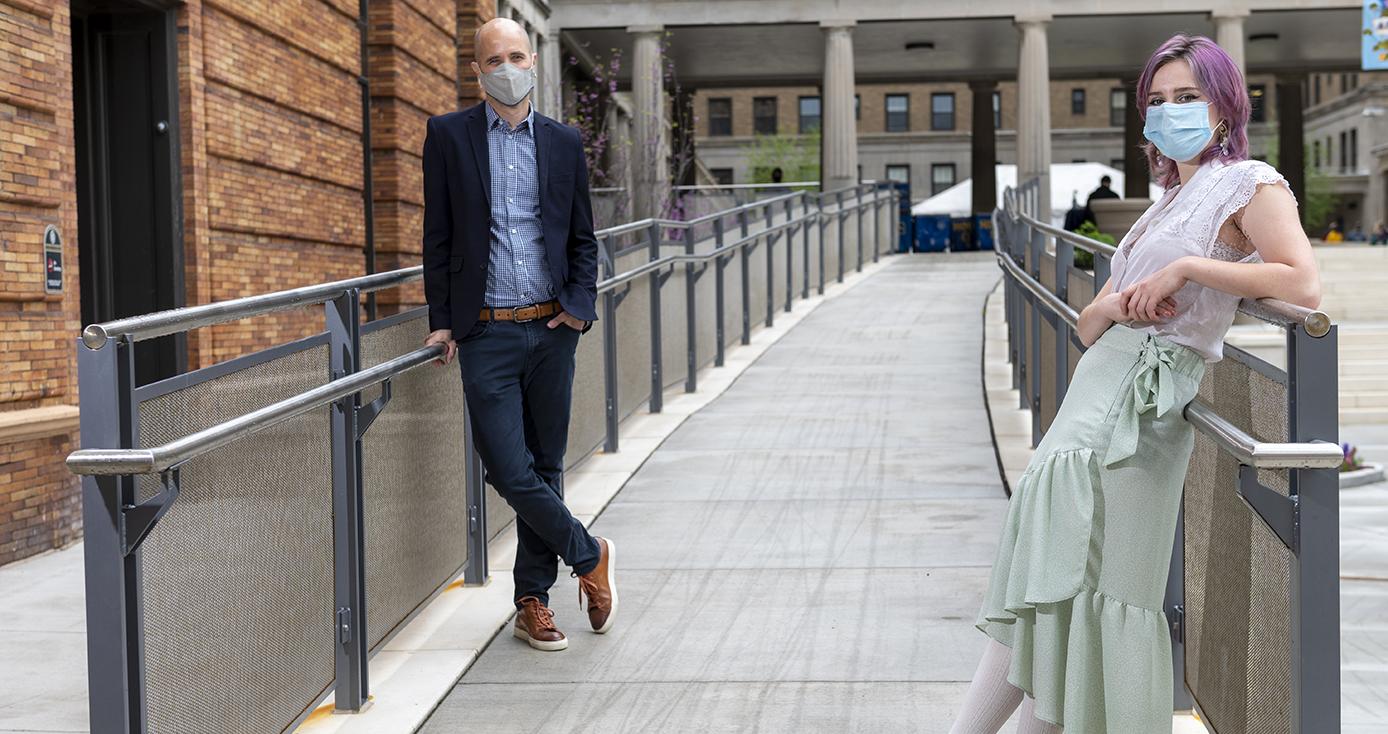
x: 1077, y: 587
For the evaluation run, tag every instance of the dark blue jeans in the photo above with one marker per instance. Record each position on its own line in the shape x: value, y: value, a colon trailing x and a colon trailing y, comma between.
x: 518, y: 378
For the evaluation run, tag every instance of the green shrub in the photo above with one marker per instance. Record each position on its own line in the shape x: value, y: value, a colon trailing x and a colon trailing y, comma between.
x: 1084, y: 258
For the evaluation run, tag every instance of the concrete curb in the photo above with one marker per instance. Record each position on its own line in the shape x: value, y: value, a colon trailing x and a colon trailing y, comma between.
x: 1370, y: 474
x: 422, y: 664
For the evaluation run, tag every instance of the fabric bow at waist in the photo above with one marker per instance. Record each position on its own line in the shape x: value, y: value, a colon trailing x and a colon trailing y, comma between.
x: 1152, y: 387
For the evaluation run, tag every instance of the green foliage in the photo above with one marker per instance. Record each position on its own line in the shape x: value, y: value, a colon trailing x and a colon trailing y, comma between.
x: 1084, y: 258
x: 796, y: 155
x: 1321, y: 199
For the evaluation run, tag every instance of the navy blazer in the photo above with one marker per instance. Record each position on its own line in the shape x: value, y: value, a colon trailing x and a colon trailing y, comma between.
x: 457, y: 218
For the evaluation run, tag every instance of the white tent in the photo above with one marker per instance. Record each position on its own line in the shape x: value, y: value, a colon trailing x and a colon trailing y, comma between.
x: 1069, y: 182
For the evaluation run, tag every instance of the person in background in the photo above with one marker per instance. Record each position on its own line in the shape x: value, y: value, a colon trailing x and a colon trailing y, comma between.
x: 1356, y: 233
x: 1103, y: 192
x: 1334, y: 235
x: 1380, y: 234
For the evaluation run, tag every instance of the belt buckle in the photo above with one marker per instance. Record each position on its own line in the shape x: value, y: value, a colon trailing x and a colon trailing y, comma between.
x: 515, y: 314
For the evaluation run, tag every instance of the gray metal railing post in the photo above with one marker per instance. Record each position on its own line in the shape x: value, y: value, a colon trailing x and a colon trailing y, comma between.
x: 1064, y: 260
x: 745, y: 258
x: 1313, y: 415
x: 839, y: 215
x: 718, y: 299
x: 657, y: 353
x: 858, y: 209
x: 609, y: 345
x: 478, y: 569
x: 691, y: 342
x: 1038, y: 247
x: 349, y: 560
x: 115, y: 629
x: 770, y: 240
x: 805, y: 240
x: 823, y: 226
x: 876, y: 222
x: 790, y: 256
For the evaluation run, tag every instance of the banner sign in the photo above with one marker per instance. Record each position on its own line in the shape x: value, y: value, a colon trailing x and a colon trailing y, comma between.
x: 1375, y: 38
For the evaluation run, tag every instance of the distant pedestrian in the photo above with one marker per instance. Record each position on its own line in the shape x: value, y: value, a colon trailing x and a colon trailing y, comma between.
x: 1103, y: 192
x: 1334, y: 235
x: 1380, y: 234
x: 1074, y: 604
x: 1356, y: 233
x: 510, y: 273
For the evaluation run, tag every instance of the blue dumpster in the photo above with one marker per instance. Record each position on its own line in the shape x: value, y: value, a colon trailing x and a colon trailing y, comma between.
x: 962, y: 237
x: 932, y: 232
x: 984, y: 231
x: 904, y: 227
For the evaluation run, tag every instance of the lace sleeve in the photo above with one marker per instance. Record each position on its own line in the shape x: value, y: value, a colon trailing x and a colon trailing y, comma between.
x: 1233, y: 192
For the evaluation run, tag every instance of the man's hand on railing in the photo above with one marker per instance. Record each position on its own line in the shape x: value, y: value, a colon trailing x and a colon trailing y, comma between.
x: 444, y: 337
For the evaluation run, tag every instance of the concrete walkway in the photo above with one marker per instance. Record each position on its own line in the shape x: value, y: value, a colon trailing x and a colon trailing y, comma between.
x: 805, y: 554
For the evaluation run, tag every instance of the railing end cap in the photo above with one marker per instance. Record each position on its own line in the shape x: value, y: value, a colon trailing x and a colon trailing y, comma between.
x: 94, y: 336
x: 1317, y: 324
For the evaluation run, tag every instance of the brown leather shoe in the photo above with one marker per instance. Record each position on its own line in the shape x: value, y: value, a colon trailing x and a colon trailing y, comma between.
x: 535, y: 625
x: 600, y: 587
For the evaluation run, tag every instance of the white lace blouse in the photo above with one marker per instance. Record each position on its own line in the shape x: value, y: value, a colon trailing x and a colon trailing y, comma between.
x: 1186, y: 221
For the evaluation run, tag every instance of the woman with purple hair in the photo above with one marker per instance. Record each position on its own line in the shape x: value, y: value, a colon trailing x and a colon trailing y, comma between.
x: 1074, y: 604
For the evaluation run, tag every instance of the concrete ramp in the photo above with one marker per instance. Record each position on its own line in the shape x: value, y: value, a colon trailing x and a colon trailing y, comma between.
x: 805, y: 554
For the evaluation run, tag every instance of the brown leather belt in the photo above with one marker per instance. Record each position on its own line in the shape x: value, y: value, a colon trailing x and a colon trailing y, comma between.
x: 521, y: 314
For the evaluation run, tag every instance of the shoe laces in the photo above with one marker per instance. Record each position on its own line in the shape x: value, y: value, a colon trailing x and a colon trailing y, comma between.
x: 587, y: 585
x: 543, y: 617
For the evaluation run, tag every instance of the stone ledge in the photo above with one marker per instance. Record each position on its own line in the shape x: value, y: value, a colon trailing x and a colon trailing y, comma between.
x: 25, y: 425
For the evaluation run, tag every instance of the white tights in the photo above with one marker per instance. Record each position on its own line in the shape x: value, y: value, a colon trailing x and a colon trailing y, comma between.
x: 991, y: 699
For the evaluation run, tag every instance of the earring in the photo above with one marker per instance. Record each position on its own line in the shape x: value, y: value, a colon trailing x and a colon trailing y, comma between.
x: 1160, y: 161
x: 1224, y: 138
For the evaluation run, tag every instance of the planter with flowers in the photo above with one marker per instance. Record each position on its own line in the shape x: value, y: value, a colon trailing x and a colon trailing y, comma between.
x: 1355, y: 471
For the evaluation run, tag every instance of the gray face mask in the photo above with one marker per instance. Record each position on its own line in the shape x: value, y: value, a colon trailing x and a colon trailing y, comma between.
x: 508, y: 84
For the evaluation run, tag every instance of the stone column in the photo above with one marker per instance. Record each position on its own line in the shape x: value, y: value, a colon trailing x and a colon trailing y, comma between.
x: 649, y: 155
x: 1228, y: 23
x: 1034, y: 107
x: 839, y: 141
x: 550, y: 84
x: 1377, y: 196
x: 1291, y: 144
x: 984, y: 148
x: 1136, y: 177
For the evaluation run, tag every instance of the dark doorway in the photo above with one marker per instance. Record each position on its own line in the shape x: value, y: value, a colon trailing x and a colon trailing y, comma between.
x: 125, y: 104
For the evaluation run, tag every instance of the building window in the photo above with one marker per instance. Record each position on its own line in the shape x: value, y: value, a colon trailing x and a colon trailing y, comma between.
x: 997, y: 110
x: 1317, y: 89
x: 898, y: 113
x: 763, y: 115
x: 1354, y: 148
x: 722, y: 175
x: 1316, y: 154
x: 1344, y: 148
x: 899, y: 173
x: 720, y: 117
x: 941, y: 177
x: 1077, y: 101
x: 809, y: 114
x: 1257, y: 96
x: 1117, y: 107
x: 942, y: 111
x: 857, y: 107
x: 1117, y: 163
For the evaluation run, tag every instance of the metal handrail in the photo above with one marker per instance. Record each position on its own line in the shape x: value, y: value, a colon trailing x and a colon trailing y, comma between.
x: 178, y: 451
x: 1248, y: 450
x: 644, y: 268
x: 163, y: 323
x: 1259, y: 454
x: 1271, y: 310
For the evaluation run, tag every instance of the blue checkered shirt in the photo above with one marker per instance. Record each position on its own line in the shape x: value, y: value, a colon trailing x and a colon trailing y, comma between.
x: 518, y: 274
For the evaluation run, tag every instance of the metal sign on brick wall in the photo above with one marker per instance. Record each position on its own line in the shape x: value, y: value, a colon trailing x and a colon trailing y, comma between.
x: 52, y: 260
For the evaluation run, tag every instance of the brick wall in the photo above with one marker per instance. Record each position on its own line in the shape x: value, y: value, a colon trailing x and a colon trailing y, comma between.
x: 38, y: 498
x: 271, y: 152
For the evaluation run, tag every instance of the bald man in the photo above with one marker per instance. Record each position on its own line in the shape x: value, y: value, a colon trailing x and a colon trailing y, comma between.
x: 510, y: 274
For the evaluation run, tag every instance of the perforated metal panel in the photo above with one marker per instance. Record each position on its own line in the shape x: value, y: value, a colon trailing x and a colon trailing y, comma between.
x: 413, y: 484
x: 1237, y: 645
x: 238, y: 576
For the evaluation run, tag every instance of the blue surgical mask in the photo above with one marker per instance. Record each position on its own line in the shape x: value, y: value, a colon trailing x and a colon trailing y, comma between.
x: 1180, y: 131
